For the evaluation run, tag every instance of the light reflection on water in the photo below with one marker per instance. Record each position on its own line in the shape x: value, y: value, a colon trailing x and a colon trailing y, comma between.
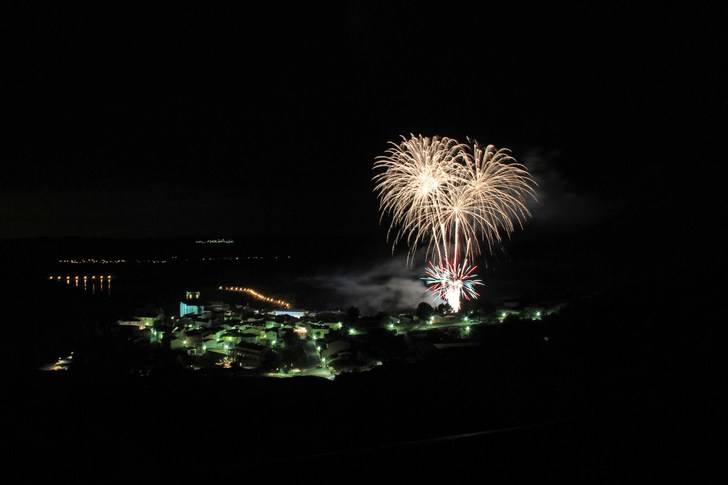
x: 165, y: 285
x: 88, y: 283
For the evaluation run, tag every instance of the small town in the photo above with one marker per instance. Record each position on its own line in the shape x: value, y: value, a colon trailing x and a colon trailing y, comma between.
x: 259, y: 335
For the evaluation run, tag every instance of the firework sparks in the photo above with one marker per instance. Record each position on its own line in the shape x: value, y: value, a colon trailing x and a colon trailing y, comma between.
x: 451, y: 282
x: 450, y: 196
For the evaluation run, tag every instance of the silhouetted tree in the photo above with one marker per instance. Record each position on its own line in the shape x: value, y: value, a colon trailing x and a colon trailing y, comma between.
x: 424, y: 311
x: 291, y: 339
x: 352, y: 313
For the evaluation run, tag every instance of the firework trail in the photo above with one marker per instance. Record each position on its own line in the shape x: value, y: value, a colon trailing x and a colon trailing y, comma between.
x: 450, y: 196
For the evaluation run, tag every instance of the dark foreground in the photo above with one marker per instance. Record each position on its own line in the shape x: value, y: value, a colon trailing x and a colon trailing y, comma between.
x: 517, y: 407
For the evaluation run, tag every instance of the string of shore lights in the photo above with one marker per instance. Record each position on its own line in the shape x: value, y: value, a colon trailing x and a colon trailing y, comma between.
x: 257, y: 295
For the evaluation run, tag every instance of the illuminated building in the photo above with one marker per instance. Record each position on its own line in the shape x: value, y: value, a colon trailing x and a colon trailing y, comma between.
x: 191, y: 305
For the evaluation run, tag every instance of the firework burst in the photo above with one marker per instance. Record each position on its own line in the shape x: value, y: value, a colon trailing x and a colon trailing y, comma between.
x: 415, y: 178
x: 452, y: 282
x: 450, y: 196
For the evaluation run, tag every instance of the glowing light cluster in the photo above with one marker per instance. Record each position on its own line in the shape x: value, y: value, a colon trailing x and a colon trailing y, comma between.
x: 92, y: 261
x: 450, y: 196
x: 61, y: 364
x: 257, y: 296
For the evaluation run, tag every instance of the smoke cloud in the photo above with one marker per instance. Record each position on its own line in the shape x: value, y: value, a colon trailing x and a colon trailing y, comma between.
x: 559, y: 201
x: 385, y: 286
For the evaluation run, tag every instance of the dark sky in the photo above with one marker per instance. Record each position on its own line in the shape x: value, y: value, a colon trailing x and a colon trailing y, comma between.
x: 192, y: 122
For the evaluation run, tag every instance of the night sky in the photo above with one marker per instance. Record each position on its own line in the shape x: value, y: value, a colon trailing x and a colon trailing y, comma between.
x: 130, y: 131
x: 264, y: 122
